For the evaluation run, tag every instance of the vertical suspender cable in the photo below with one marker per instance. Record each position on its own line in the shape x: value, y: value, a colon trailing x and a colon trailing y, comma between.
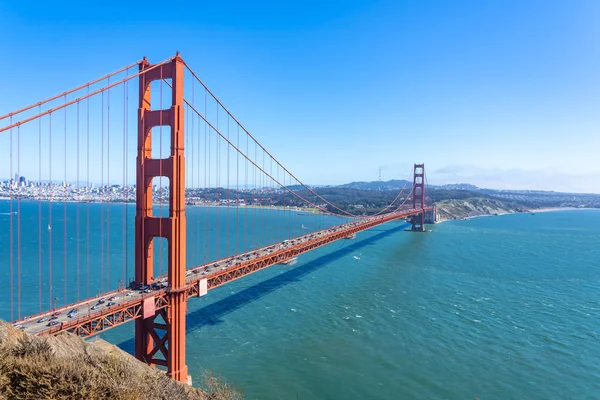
x: 77, y: 217
x: 217, y: 172
x: 288, y: 219
x: 273, y: 195
x: 11, y: 244
x: 64, y: 190
x: 227, y: 199
x: 87, y: 207
x: 126, y: 166
x: 124, y: 191
x: 295, y: 220
x: 50, y: 207
x: 200, y: 211
x: 206, y: 184
x: 40, y: 294
x: 263, y: 185
x: 192, y: 224
x: 269, y: 183
x: 246, y: 212
x: 279, y: 210
x: 19, y: 225
x: 293, y: 211
x: 255, y: 232
x: 279, y: 202
x: 269, y: 186
x: 108, y: 206
x: 237, y: 195
x: 188, y: 159
x: 102, y: 199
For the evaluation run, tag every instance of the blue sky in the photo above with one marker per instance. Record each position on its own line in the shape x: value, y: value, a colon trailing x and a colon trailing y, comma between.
x: 501, y: 94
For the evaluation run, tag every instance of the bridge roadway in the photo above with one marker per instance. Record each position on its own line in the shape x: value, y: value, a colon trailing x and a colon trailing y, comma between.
x: 98, y: 314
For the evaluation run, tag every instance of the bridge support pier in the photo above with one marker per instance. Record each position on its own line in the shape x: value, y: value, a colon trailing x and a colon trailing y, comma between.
x: 430, y: 216
x: 160, y: 336
x: 417, y: 223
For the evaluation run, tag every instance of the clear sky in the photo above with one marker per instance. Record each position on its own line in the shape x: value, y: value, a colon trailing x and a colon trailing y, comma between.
x: 501, y: 94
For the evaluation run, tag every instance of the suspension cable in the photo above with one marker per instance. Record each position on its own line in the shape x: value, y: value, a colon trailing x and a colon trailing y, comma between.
x: 269, y: 154
x: 11, y: 114
x: 255, y: 164
x: 101, y: 90
x: 261, y: 146
x: 393, y: 201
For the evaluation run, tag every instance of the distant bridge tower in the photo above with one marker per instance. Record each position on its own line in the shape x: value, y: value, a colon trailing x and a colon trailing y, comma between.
x: 160, y: 335
x: 418, y: 221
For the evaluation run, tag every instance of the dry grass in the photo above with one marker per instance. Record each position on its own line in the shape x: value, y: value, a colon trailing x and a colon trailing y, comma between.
x: 66, y: 367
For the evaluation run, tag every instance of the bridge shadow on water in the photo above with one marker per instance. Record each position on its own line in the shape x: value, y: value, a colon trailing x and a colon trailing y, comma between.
x: 212, y: 313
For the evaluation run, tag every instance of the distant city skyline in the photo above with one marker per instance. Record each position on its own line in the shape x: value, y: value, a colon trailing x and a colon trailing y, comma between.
x: 523, y: 179
x: 502, y: 95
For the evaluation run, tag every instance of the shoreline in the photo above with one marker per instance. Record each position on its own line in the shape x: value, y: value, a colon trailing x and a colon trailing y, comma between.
x: 533, y: 210
x: 550, y: 209
x: 308, y: 210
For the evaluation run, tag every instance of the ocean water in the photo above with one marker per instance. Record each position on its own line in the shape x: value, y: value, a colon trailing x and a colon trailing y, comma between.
x: 503, y: 307
x: 72, y: 251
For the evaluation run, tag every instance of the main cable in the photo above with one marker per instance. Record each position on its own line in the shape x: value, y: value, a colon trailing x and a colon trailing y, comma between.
x: 88, y: 84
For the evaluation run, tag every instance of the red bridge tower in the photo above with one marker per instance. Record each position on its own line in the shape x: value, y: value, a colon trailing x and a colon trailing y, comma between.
x: 161, y: 331
x: 418, y: 221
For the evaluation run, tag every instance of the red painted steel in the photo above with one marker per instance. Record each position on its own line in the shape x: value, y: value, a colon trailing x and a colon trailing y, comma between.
x: 160, y: 315
x: 92, y: 324
x: 77, y: 100
x: 418, y: 221
x: 58, y: 96
x: 153, y: 337
x: 306, y: 187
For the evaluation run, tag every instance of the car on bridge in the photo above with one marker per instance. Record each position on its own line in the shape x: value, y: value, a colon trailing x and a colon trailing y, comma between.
x: 72, y: 313
x: 44, y: 319
x: 52, y: 323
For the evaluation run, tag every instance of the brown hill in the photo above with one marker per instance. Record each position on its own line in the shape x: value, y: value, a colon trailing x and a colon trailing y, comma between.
x: 67, y: 367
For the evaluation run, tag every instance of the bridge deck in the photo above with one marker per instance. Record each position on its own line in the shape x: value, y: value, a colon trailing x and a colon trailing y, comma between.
x: 94, y: 317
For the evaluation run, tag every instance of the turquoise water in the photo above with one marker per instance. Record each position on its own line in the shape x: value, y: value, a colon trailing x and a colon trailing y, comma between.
x: 73, y: 251
x: 503, y: 307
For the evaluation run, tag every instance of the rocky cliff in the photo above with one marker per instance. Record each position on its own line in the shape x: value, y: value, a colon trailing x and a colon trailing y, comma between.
x: 475, y: 207
x: 67, y: 367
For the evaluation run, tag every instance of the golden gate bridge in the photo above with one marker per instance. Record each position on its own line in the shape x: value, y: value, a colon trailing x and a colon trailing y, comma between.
x: 181, y: 133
